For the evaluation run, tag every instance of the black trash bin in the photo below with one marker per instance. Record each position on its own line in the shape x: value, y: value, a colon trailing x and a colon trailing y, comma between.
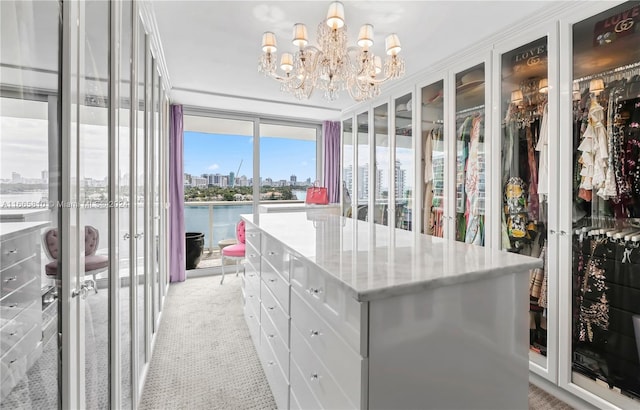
x: 194, y: 247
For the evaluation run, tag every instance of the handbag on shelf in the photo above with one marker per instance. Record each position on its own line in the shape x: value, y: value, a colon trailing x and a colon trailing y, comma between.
x: 317, y: 195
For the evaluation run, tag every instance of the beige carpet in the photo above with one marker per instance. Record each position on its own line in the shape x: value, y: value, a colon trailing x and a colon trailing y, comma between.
x: 204, y: 357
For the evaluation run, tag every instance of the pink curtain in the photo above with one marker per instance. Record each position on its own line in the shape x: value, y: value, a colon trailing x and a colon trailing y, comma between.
x: 331, y: 138
x: 176, y: 196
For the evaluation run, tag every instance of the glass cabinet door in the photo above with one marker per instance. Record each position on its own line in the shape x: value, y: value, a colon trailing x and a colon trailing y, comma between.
x: 347, y: 168
x: 381, y: 165
x: 524, y: 171
x: 470, y: 155
x: 362, y: 209
x: 433, y: 159
x: 606, y: 205
x: 404, y: 171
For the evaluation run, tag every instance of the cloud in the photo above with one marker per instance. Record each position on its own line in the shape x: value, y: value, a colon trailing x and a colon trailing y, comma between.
x: 213, y: 167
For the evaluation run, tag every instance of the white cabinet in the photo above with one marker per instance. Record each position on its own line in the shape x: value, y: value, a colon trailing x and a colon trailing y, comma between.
x: 20, y: 301
x: 349, y: 327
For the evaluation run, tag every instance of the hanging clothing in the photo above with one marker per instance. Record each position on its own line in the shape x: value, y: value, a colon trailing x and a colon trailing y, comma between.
x: 543, y: 148
x: 595, y: 154
x: 427, y: 154
x: 474, y: 229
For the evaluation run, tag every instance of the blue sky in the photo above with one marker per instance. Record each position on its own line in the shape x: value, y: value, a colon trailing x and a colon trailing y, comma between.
x: 216, y: 153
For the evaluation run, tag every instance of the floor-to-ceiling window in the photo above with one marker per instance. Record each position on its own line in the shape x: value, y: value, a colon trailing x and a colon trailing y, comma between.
x: 224, y: 170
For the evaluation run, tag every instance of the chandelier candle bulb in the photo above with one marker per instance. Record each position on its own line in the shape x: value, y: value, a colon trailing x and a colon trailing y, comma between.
x: 377, y: 63
x: 286, y: 62
x: 365, y: 37
x: 300, y: 38
x: 392, y: 44
x: 269, y: 42
x: 335, y: 15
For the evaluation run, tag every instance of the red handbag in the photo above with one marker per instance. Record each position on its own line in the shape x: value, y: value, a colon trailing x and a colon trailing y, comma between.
x: 317, y: 195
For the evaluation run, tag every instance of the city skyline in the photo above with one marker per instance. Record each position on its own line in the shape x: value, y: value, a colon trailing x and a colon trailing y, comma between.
x: 224, y: 154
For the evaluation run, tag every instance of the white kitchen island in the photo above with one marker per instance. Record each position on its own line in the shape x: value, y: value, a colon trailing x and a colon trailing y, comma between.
x: 347, y: 314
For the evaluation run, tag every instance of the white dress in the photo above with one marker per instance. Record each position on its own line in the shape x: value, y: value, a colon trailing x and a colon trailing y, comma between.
x: 543, y: 147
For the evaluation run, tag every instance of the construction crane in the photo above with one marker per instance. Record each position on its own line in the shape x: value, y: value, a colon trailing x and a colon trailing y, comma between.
x: 233, y: 183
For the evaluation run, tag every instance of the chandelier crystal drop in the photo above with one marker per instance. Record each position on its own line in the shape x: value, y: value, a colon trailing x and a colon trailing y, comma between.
x: 333, y: 66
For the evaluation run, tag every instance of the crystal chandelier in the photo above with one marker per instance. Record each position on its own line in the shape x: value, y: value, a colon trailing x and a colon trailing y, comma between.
x: 332, y: 66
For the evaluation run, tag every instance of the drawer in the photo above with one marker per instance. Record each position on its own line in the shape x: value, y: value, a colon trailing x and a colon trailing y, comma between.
x: 19, y: 326
x: 324, y: 387
x: 15, y: 360
x: 253, y: 258
x: 302, y: 397
x: 275, y: 254
x: 279, y: 345
x: 17, y: 249
x: 275, y: 377
x: 15, y: 302
x: 276, y: 284
x: 252, y: 280
x: 342, y: 312
x: 276, y: 313
x: 252, y: 236
x: 252, y: 297
x: 13, y: 278
x: 344, y: 363
x: 253, y: 323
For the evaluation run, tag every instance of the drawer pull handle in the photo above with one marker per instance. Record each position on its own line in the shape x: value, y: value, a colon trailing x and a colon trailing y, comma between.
x: 271, y: 307
x: 11, y: 279
x: 253, y: 255
x: 271, y: 363
x: 314, y: 377
x: 271, y: 336
x: 13, y: 333
x: 250, y: 296
x: 13, y: 252
x: 251, y: 316
x: 13, y: 361
x: 314, y: 333
x: 314, y: 291
x: 272, y: 253
x: 13, y: 305
x: 272, y: 280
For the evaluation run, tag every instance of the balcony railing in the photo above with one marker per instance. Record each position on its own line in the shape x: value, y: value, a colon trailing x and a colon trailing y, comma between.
x: 218, y: 219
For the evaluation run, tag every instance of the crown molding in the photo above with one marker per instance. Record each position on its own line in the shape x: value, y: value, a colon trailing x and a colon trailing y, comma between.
x: 148, y: 17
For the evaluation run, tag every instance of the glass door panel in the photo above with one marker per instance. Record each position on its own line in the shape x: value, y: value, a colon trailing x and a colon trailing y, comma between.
x: 433, y: 159
x: 606, y: 194
x: 94, y: 196
x: 347, y: 168
x: 524, y: 170
x: 123, y: 201
x: 382, y: 170
x: 404, y: 169
x: 30, y: 323
x: 139, y: 181
x: 155, y: 159
x: 362, y: 194
x: 470, y: 155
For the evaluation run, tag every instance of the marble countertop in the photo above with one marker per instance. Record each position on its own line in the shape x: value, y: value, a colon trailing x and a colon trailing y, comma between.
x: 374, y: 262
x: 9, y: 230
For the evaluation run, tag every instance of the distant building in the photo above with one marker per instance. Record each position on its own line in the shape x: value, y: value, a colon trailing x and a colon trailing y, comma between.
x: 232, y: 179
x: 267, y: 182
x: 199, y: 182
x: 378, y: 183
x: 187, y: 179
x: 293, y: 180
x: 400, y: 180
x: 363, y: 182
x: 16, y: 178
x: 242, y: 181
x: 348, y: 176
x: 44, y: 175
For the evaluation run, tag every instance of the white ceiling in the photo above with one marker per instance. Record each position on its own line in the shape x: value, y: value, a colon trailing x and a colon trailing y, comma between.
x: 212, y: 47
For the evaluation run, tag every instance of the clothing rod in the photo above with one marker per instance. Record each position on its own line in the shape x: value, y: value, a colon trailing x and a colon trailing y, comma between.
x: 607, y: 73
x: 468, y: 110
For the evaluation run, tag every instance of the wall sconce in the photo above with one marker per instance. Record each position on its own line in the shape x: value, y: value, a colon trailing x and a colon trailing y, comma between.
x: 576, y: 92
x: 516, y: 96
x: 543, y: 86
x: 596, y: 86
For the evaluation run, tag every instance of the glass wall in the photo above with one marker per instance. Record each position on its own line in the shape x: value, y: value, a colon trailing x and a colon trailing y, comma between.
x: 433, y: 159
x: 470, y: 155
x: 362, y: 192
x: 381, y: 169
x: 404, y: 169
x: 347, y: 168
x: 606, y: 198
x: 30, y: 184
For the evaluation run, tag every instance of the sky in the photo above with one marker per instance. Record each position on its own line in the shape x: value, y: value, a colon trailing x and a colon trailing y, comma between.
x: 280, y: 157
